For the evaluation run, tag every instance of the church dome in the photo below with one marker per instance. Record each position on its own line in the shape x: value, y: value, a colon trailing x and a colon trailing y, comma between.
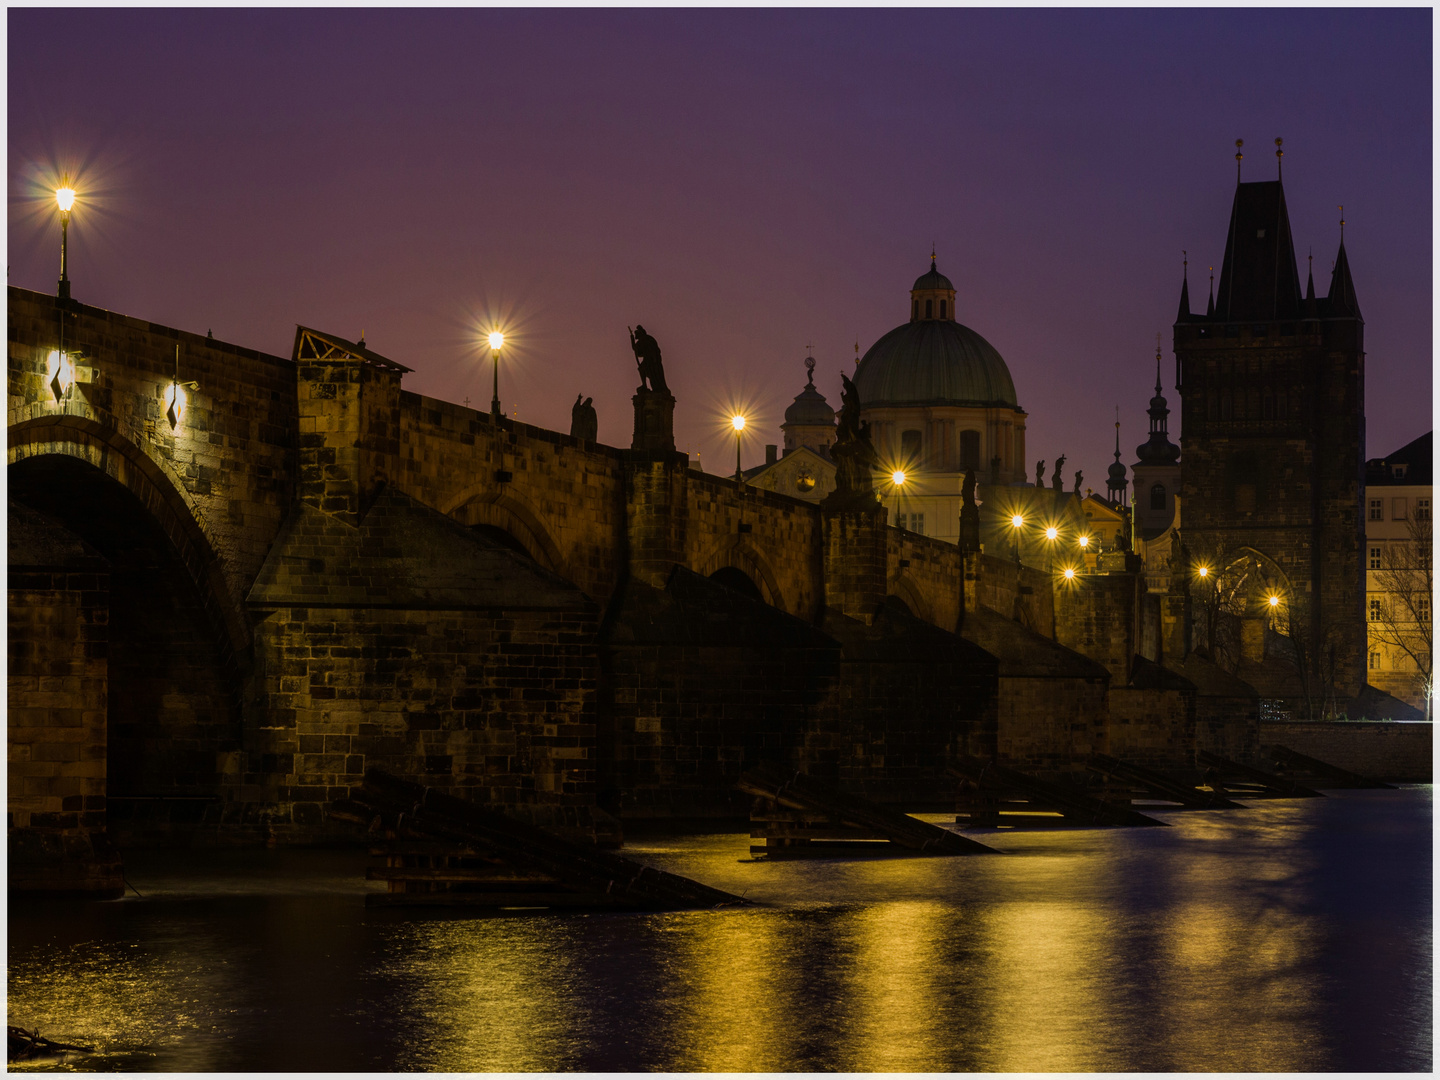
x: 810, y: 409
x: 932, y: 279
x: 932, y: 359
x: 934, y: 362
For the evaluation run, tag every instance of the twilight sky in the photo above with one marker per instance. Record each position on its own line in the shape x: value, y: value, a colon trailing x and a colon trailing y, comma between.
x: 745, y: 183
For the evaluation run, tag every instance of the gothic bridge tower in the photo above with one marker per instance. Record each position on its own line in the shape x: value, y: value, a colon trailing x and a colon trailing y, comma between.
x: 1271, y: 383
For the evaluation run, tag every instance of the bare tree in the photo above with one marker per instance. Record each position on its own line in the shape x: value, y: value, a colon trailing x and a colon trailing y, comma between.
x: 1406, y: 583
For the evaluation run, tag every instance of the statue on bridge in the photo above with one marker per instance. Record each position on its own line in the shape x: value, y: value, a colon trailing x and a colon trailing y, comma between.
x: 1040, y: 473
x: 583, y: 422
x: 853, y: 453
x: 647, y: 358
x: 969, y: 514
x: 1079, y: 476
x: 1057, y: 481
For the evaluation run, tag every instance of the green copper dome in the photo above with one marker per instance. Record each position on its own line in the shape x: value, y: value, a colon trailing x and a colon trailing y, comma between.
x: 933, y: 362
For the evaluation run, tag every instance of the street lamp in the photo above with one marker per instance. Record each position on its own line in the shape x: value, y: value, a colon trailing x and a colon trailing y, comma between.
x: 65, y: 199
x: 738, y: 423
x: 1015, y: 523
x: 898, y: 477
x: 497, y: 339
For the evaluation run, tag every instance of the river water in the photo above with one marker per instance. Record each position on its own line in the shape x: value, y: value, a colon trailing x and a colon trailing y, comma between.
x: 1293, y: 935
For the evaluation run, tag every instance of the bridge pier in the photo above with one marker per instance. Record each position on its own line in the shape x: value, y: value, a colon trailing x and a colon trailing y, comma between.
x: 855, y: 561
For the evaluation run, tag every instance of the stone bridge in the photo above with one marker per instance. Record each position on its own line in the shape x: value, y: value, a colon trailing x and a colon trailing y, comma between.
x: 238, y: 579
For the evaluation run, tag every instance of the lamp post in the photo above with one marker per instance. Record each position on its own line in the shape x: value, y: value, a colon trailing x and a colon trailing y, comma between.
x: 738, y: 423
x: 1015, y: 523
x: 65, y: 199
x: 497, y: 339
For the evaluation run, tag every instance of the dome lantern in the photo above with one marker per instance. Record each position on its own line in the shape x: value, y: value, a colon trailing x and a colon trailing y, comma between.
x: 932, y: 296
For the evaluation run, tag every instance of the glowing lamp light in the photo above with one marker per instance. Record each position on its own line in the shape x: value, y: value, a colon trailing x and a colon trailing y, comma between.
x: 1069, y: 573
x: 1204, y: 571
x: 496, y: 340
x: 897, y: 477
x: 65, y: 198
x: 1051, y: 533
x: 1274, y: 601
x: 1017, y: 521
x: 59, y: 373
x: 1084, y: 541
x: 174, y: 404
x: 737, y: 422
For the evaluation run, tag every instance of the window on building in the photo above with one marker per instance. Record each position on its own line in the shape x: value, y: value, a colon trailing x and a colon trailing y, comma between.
x: 1422, y: 608
x: 1422, y: 509
x: 1157, y: 497
x: 914, y: 309
x: 1375, y: 660
x: 1377, y: 509
x: 1245, y: 498
x: 942, y: 309
x: 1398, y: 509
x: 1375, y: 610
x: 1374, y: 558
x: 914, y: 522
x: 928, y: 306
x: 969, y: 449
x: 909, y: 448
x: 1398, y: 471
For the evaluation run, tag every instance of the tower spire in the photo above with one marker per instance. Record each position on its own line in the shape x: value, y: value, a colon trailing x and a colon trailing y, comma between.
x: 1279, y: 155
x: 1238, y: 158
x: 1210, y: 308
x: 1184, y: 312
x: 1157, y: 363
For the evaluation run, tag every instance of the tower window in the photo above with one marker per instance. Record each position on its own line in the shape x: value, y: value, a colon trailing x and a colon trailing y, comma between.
x: 942, y: 309
x: 1157, y: 497
x: 928, y: 305
x: 914, y: 309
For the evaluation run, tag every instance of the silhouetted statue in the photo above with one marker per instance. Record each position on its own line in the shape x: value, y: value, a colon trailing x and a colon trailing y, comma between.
x: 1078, y: 477
x: 849, y: 407
x: 969, y: 514
x: 1040, y: 473
x: 853, y: 453
x: 647, y: 358
x: 583, y: 422
x: 1056, y: 480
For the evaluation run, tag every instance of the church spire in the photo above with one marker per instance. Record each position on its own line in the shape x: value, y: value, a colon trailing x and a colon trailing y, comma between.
x: 1342, y: 288
x: 1184, y: 312
x: 1116, y: 485
x: 1210, y: 307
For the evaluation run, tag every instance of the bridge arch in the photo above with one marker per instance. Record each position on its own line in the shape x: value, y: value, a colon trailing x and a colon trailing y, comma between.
x: 736, y: 553
x: 904, y: 590
x: 177, y: 652
x: 100, y: 440
x: 504, y: 510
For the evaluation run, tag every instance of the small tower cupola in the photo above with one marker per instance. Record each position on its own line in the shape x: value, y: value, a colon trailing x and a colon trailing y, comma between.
x: 809, y: 421
x: 932, y: 296
x: 1116, y: 484
x: 1158, y: 449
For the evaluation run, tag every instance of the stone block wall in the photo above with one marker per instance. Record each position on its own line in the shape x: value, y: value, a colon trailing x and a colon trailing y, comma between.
x: 1399, y: 751
x: 495, y: 706
x: 925, y: 574
x: 1098, y: 615
x: 56, y: 697
x: 1050, y: 724
x: 1152, y: 727
x: 1018, y: 592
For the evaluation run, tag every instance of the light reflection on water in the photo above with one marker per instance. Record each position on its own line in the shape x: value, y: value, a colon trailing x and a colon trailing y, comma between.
x: 1293, y: 936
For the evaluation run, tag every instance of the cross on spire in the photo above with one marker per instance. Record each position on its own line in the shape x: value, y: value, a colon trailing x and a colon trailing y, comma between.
x: 1238, y: 158
x: 1279, y: 154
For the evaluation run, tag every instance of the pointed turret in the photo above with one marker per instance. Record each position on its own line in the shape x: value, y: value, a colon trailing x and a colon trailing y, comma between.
x: 1116, y: 485
x: 1258, y: 278
x: 1158, y: 449
x: 1210, y: 308
x: 1341, y: 300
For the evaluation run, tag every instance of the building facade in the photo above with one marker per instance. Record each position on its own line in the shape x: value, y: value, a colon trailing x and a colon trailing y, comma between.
x: 1399, y: 581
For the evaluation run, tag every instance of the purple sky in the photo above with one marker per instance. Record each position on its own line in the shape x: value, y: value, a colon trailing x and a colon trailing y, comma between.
x: 745, y: 183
